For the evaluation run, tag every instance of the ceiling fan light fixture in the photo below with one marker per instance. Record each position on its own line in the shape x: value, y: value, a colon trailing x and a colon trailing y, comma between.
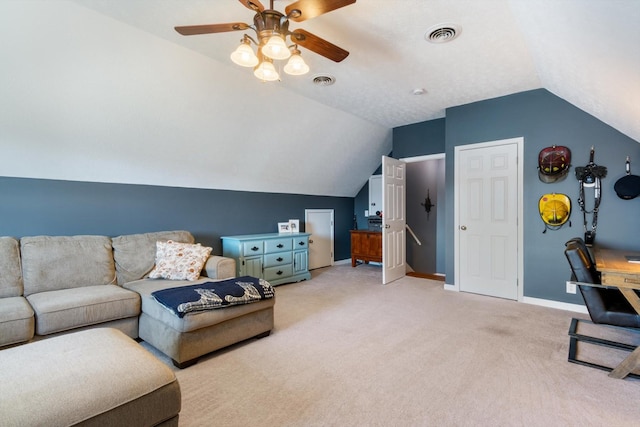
x: 244, y: 56
x: 276, y: 48
x: 266, y: 72
x: 296, y: 65
x: 271, y: 29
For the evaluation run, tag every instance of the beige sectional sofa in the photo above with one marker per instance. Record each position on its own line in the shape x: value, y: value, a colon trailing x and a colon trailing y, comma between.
x: 51, y: 285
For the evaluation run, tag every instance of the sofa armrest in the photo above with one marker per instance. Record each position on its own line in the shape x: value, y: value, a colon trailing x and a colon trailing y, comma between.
x: 219, y: 267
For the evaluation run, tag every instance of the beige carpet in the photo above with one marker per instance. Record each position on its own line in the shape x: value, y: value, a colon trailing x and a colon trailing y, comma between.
x: 348, y: 351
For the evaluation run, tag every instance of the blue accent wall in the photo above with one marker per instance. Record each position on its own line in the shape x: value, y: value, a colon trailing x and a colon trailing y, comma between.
x: 419, y: 139
x: 544, y: 119
x: 49, y: 207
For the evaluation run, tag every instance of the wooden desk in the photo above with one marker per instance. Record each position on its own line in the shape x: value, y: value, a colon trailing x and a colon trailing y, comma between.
x: 618, y: 272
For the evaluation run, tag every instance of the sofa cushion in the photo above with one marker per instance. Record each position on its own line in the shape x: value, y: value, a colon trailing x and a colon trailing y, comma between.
x: 191, y: 321
x: 66, y: 309
x: 179, y: 261
x: 10, y: 269
x: 16, y: 320
x: 135, y: 254
x: 62, y: 262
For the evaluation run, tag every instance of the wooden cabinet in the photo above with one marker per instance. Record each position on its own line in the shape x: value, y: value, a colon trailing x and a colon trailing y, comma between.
x: 366, y: 246
x: 277, y: 258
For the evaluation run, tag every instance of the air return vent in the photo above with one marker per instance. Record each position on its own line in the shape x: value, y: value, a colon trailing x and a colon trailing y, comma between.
x: 442, y: 33
x: 323, y: 80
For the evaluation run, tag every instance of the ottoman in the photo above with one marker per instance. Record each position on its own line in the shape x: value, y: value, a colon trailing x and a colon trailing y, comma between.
x: 96, y: 377
x: 185, y: 339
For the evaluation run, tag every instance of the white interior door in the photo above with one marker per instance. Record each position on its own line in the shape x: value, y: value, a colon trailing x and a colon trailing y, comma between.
x: 319, y: 223
x: 488, y: 207
x: 394, y: 256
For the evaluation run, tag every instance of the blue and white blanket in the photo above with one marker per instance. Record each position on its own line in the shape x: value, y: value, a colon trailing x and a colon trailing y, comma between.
x: 211, y: 295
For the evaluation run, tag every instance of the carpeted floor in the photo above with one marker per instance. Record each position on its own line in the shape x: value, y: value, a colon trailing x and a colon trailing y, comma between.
x: 348, y: 351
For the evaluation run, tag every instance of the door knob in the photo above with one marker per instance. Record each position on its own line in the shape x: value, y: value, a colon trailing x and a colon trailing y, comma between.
x: 387, y: 226
x: 310, y: 240
x: 463, y: 227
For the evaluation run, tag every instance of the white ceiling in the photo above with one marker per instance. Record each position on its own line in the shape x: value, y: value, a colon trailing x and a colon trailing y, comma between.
x: 108, y: 91
x: 585, y: 51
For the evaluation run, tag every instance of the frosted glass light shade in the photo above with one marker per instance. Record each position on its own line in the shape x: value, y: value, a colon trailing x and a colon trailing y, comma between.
x: 276, y: 48
x: 266, y: 72
x: 296, y: 66
x: 244, y: 56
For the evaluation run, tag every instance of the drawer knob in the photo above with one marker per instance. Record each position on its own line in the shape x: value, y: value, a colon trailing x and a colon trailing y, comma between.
x: 279, y: 273
x: 279, y: 259
x: 280, y: 245
x: 301, y: 243
x: 255, y: 248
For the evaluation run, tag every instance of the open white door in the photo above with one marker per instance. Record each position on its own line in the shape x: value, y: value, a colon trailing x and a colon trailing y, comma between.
x: 394, y: 255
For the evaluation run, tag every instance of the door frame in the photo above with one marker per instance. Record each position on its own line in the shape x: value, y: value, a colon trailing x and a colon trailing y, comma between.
x: 519, y: 141
x: 331, y: 212
x: 440, y: 218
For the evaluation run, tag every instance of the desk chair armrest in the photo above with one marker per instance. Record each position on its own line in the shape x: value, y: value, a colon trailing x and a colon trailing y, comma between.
x: 593, y: 285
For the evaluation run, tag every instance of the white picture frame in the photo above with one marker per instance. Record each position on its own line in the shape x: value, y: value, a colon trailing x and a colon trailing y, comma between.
x: 283, y: 227
x: 294, y: 225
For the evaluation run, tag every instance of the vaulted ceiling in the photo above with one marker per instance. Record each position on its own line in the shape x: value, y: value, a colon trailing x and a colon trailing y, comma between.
x: 109, y: 90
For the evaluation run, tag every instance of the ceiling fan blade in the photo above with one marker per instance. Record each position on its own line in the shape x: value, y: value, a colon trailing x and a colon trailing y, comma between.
x: 312, y: 8
x: 318, y: 45
x: 254, y: 5
x: 211, y: 28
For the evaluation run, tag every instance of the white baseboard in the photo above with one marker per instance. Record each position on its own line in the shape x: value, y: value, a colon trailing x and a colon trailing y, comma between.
x: 556, y: 304
x: 541, y: 302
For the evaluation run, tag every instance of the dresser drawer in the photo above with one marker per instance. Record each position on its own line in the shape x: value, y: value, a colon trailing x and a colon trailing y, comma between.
x: 252, y: 247
x: 277, y: 245
x: 278, y: 259
x: 280, y: 271
x: 301, y: 242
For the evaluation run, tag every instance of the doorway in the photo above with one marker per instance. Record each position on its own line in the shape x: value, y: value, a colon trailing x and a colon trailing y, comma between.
x: 319, y: 224
x: 425, y: 215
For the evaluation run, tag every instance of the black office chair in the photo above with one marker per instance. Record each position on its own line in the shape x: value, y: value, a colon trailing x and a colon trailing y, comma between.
x: 606, y: 306
x: 592, y: 263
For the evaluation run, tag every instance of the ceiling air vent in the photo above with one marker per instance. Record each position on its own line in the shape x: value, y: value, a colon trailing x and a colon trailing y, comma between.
x: 323, y: 80
x: 442, y: 33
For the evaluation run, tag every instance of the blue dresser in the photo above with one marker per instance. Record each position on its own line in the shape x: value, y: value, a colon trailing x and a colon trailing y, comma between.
x: 277, y: 258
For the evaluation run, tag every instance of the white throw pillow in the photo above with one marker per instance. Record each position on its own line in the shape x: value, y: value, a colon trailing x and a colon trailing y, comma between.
x: 179, y: 261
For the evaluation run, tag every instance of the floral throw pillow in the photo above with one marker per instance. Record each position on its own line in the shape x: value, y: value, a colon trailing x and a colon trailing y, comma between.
x: 179, y: 261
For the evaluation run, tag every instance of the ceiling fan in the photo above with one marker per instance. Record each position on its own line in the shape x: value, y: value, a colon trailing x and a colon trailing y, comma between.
x: 272, y: 30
